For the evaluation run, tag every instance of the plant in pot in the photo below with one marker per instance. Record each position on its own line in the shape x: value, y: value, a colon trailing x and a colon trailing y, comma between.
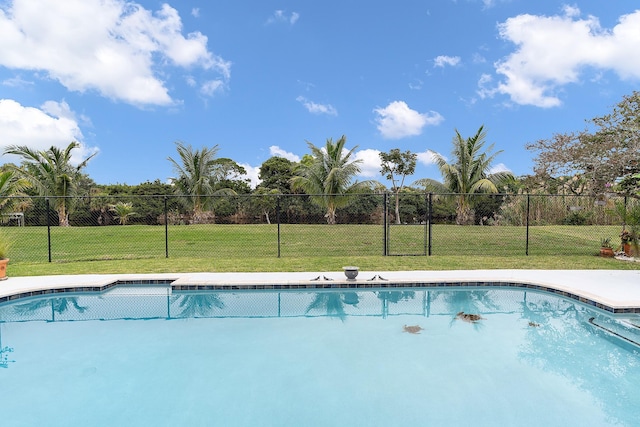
x: 630, y: 218
x: 5, y: 245
x: 606, y: 249
x: 629, y: 241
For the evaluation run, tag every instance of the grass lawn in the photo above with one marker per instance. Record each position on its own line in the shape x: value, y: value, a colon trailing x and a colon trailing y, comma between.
x: 319, y: 264
x: 194, y: 248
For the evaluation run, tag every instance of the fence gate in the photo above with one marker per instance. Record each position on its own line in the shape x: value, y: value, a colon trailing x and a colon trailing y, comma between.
x: 409, y: 238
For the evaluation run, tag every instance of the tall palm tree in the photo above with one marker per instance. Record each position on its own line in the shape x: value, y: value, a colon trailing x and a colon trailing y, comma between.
x: 328, y: 178
x: 11, y: 185
x: 198, y: 171
x: 52, y: 174
x: 467, y: 174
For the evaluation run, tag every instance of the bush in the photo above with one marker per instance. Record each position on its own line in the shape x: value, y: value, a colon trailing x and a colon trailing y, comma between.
x: 576, y: 218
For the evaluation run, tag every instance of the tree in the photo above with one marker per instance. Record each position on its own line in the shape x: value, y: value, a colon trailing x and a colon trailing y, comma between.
x: 606, y: 156
x: 10, y: 186
x: 151, y: 209
x: 328, y: 177
x: 230, y: 176
x: 195, y: 171
x: 396, y: 166
x: 275, y: 178
x: 122, y: 211
x: 198, y: 171
x: 468, y: 173
x: 52, y: 174
x: 276, y: 173
x: 266, y: 200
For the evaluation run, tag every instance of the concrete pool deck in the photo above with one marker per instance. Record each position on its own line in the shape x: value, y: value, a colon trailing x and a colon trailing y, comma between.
x: 617, y: 289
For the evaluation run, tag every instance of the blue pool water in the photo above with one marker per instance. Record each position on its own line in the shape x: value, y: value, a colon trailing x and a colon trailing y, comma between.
x: 144, y: 356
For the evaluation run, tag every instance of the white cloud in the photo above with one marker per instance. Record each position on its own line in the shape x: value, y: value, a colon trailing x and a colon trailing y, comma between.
x: 195, y: 12
x: 500, y: 167
x: 478, y: 58
x: 442, y: 61
x: 426, y: 157
x: 370, y: 166
x: 17, y: 82
x: 397, y: 120
x: 191, y: 81
x: 111, y: 46
x: 553, y: 51
x: 252, y: 174
x: 53, y: 124
x: 485, y: 89
x: 314, y: 108
x: 61, y: 110
x: 280, y: 16
x: 211, y: 87
x: 571, y: 11
x: 274, y: 150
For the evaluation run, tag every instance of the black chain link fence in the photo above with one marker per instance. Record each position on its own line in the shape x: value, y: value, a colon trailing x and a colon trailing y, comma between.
x: 265, y: 226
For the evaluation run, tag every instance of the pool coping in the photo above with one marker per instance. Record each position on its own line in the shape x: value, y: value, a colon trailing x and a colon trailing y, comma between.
x: 615, y: 291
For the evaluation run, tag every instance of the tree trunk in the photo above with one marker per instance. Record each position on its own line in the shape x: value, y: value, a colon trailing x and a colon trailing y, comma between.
x: 331, y: 216
x: 464, y: 214
x: 398, y: 208
x: 63, y: 216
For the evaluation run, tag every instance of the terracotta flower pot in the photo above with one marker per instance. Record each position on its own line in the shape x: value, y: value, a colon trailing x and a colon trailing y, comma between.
x: 3, y: 268
x: 606, y: 252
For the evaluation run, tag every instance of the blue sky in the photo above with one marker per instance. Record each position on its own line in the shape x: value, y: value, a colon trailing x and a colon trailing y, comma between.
x: 261, y: 77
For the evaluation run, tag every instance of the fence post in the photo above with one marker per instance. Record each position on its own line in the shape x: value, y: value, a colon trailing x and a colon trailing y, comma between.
x: 166, y: 229
x: 278, y: 220
x: 385, y: 231
x: 429, y: 219
x: 48, y: 229
x: 526, y: 250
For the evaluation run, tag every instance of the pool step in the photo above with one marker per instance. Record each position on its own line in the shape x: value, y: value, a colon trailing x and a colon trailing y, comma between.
x: 627, y: 330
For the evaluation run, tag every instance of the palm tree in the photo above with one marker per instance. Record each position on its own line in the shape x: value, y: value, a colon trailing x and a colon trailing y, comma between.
x: 467, y: 174
x: 52, y: 174
x: 122, y: 212
x: 327, y: 179
x: 198, y: 172
x: 10, y: 186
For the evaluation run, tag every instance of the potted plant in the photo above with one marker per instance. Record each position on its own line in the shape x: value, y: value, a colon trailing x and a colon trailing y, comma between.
x: 606, y: 250
x: 626, y: 239
x: 5, y: 245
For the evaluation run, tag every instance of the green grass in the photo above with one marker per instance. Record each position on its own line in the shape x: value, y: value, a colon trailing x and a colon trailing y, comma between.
x: 141, y: 249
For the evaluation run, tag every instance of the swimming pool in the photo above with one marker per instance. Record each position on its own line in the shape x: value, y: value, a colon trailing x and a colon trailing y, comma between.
x: 148, y: 355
